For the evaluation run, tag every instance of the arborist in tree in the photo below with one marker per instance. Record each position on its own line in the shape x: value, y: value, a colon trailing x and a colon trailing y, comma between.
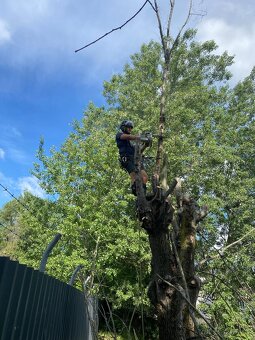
x: 127, y: 152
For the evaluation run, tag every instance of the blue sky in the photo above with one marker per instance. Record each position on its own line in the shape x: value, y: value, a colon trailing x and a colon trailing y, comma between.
x: 45, y: 85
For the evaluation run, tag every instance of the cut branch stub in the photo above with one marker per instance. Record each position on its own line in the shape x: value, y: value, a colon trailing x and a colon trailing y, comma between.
x: 154, y: 211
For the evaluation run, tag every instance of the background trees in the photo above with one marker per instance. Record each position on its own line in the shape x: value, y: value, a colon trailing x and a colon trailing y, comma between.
x: 209, y: 140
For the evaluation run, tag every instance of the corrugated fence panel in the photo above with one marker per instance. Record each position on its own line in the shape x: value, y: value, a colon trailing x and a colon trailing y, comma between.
x: 35, y: 306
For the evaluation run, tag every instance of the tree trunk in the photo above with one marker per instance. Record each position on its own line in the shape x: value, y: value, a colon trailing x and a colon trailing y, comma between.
x: 166, y: 299
x: 174, y: 287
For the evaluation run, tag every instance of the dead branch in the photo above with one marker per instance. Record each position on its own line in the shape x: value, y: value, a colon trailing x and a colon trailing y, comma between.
x: 154, y: 9
x: 183, y: 279
x: 183, y: 26
x: 180, y: 290
x: 93, y: 269
x: 180, y: 266
x: 220, y: 253
x: 172, y: 3
x: 235, y: 292
x: 171, y: 188
x: 202, y: 213
x: 160, y: 28
x: 114, y: 29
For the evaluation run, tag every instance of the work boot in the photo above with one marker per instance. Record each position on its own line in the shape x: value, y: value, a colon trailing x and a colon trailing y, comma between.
x: 146, y: 219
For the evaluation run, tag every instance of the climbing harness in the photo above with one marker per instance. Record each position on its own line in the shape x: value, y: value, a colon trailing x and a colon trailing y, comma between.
x: 123, y: 160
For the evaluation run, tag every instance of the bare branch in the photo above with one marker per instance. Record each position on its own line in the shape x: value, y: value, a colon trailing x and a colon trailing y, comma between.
x: 201, y: 14
x: 11, y: 231
x: 180, y: 266
x: 187, y: 19
x: 202, y: 213
x: 160, y: 27
x: 183, y: 279
x: 220, y: 253
x: 114, y: 29
x: 238, y: 241
x: 172, y: 3
x: 171, y: 188
x: 93, y: 269
x: 183, y: 26
x: 154, y: 9
x: 180, y: 290
x: 235, y: 292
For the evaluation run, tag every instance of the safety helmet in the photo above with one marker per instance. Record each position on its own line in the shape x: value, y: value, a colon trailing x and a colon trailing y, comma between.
x: 126, y: 124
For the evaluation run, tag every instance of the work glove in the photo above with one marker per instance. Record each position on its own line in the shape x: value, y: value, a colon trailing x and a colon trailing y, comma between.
x: 146, y: 139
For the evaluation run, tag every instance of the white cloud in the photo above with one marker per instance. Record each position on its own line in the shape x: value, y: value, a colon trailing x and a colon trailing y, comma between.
x: 15, y: 187
x: 9, y: 184
x: 47, y: 33
x: 2, y: 153
x: 14, y: 153
x: 12, y: 143
x: 30, y: 184
x: 6, y: 181
x: 13, y: 132
x: 235, y: 37
x: 5, y: 34
x: 9, y: 132
x: 18, y: 155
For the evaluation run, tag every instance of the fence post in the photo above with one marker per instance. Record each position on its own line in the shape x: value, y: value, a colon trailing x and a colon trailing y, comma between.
x: 47, y: 252
x: 73, y: 277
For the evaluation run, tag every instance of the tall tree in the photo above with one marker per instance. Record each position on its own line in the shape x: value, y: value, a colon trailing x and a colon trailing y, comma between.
x: 207, y: 131
x: 9, y: 228
x: 174, y: 287
x: 85, y: 174
x: 199, y: 116
x: 170, y: 262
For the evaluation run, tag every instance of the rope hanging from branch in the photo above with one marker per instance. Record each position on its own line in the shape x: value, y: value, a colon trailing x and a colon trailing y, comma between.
x: 115, y: 29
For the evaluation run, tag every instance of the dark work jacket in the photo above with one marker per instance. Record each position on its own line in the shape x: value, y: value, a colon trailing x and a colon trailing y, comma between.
x: 124, y: 146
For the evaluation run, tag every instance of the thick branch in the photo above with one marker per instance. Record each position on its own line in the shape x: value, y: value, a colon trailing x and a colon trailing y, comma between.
x: 171, y: 188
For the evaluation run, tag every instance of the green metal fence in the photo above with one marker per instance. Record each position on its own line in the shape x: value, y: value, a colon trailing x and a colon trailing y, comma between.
x: 35, y: 306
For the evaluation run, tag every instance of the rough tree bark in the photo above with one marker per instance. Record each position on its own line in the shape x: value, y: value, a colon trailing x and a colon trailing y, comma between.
x: 174, y: 287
